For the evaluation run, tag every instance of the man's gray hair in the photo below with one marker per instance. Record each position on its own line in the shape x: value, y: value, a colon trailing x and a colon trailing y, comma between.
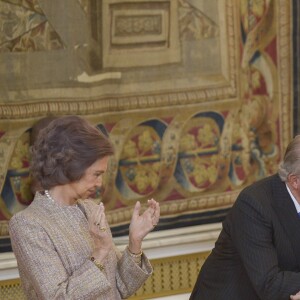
x: 291, y: 160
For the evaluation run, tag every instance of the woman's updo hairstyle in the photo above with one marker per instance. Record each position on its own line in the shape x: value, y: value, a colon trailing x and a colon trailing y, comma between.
x: 64, y: 149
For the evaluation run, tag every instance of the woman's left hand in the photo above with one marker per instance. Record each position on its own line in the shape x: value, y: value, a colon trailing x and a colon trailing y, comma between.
x: 142, y: 224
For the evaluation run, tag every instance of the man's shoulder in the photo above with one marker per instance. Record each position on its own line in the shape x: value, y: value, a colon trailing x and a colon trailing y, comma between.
x: 264, y: 183
x: 262, y: 191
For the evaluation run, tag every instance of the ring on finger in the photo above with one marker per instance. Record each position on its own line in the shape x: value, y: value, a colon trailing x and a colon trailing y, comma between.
x: 103, y: 229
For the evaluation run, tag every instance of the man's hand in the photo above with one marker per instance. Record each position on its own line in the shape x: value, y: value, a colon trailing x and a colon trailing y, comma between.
x: 295, y: 297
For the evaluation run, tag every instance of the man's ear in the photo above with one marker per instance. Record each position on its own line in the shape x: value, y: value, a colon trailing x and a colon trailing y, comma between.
x: 293, y: 181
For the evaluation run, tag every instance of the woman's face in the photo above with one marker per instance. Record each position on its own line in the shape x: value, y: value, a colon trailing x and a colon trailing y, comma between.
x: 91, y: 181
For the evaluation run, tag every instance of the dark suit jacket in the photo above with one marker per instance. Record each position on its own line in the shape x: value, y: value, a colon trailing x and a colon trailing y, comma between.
x: 257, y: 255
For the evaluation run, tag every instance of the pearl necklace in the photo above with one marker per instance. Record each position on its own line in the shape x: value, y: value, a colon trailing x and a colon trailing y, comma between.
x: 49, y: 196
x: 52, y: 200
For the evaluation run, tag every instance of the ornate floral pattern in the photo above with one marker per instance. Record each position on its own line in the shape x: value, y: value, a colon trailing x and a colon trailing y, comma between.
x: 25, y: 28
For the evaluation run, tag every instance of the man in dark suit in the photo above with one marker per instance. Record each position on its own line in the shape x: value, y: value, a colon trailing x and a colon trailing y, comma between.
x: 257, y: 254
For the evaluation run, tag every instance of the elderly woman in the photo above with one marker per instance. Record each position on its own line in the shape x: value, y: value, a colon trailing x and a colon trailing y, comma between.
x: 62, y: 242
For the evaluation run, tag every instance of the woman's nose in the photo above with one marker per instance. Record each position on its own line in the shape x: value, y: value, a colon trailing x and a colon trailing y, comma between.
x: 99, y: 182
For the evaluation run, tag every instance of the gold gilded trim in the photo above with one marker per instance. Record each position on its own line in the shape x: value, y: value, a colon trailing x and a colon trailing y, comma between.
x: 285, y: 69
x: 171, y: 276
x: 11, y: 290
x: 179, y: 207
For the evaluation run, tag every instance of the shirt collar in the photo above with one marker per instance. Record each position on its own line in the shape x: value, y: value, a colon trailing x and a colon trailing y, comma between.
x: 297, y: 205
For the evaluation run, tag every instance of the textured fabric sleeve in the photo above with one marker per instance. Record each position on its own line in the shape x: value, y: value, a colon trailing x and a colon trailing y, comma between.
x: 251, y: 231
x: 130, y: 276
x: 39, y: 261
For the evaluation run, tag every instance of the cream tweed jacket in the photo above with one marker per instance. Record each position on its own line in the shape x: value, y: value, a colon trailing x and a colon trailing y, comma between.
x: 52, y: 245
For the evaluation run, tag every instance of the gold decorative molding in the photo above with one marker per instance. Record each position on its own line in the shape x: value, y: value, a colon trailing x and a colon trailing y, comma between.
x: 11, y: 290
x: 110, y: 104
x: 179, y: 207
x: 172, y: 275
x: 285, y: 70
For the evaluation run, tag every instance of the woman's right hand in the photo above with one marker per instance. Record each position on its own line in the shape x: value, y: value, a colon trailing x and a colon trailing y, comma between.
x: 142, y: 223
x: 100, y: 233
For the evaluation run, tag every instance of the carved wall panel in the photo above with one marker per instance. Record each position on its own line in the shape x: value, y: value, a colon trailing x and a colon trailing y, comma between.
x: 142, y: 33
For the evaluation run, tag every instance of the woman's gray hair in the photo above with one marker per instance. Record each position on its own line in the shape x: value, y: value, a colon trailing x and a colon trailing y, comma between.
x: 64, y: 149
x: 291, y: 160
